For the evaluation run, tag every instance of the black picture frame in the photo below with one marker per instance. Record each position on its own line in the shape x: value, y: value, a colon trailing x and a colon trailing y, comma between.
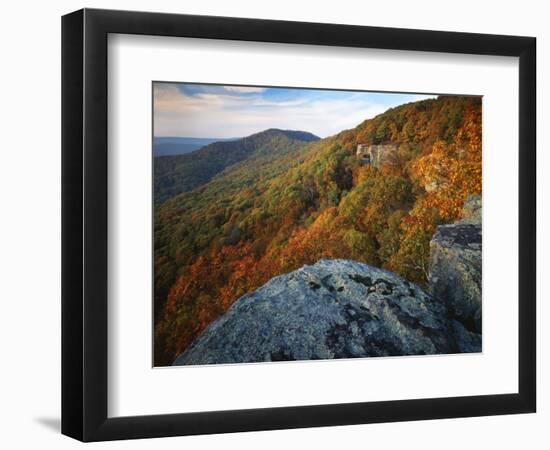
x: 84, y: 224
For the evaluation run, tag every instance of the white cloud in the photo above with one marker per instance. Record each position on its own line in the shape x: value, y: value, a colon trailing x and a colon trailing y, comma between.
x: 208, y: 114
x: 244, y: 89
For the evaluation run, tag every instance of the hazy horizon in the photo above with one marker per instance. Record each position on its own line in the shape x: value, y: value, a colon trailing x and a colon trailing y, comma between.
x: 189, y: 110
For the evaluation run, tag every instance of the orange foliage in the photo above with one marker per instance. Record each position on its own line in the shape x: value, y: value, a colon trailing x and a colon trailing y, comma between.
x: 451, y: 172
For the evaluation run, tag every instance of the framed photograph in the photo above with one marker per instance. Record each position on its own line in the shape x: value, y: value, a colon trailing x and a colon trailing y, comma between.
x: 273, y: 224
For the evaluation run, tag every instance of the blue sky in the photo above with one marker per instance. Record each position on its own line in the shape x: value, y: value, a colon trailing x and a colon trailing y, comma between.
x: 223, y: 111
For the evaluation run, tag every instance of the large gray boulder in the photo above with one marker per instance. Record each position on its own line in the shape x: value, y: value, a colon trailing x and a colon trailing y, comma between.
x: 455, y: 266
x: 332, y: 309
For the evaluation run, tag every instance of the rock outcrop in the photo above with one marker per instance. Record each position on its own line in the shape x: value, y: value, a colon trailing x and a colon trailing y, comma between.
x: 375, y: 155
x: 332, y: 309
x: 455, y: 268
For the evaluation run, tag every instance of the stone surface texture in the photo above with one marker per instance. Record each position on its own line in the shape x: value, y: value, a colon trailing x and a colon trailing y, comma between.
x: 375, y: 155
x: 332, y: 309
x: 455, y: 266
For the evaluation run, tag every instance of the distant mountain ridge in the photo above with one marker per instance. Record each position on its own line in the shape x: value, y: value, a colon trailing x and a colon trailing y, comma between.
x: 170, y: 146
x: 182, y: 173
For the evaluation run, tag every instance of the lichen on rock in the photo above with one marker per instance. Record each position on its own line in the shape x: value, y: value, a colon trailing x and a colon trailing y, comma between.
x: 455, y: 266
x: 332, y: 309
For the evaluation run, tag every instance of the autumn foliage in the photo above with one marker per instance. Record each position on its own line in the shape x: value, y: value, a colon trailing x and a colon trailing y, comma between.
x: 275, y: 212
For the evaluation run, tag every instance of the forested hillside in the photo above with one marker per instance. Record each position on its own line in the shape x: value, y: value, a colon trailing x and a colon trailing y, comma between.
x: 181, y: 173
x: 275, y: 211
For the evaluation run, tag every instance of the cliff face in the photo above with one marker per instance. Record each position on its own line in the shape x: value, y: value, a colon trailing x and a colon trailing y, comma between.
x: 455, y: 275
x: 374, y: 155
x: 332, y: 309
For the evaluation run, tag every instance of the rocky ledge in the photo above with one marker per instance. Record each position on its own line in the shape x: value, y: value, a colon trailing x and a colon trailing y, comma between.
x: 332, y: 309
x: 455, y: 268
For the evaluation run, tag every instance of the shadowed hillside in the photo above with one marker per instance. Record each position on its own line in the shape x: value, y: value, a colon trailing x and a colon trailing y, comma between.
x: 181, y: 173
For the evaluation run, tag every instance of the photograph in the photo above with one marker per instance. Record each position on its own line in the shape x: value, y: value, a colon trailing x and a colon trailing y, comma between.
x: 299, y: 224
x: 265, y: 225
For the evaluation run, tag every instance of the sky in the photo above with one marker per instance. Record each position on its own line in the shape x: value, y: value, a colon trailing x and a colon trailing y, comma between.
x: 224, y: 111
